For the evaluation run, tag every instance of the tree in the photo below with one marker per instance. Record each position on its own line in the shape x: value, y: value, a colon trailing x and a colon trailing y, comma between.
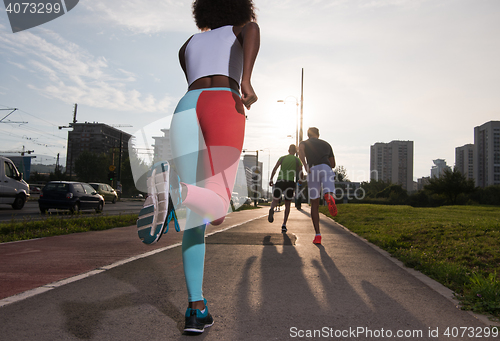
x: 90, y: 167
x: 450, y: 184
x: 395, y: 193
x: 126, y: 176
x: 341, y: 174
x: 373, y: 187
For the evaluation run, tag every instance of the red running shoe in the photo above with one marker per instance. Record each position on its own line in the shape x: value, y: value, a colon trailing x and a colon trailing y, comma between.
x: 317, y: 240
x: 332, y: 208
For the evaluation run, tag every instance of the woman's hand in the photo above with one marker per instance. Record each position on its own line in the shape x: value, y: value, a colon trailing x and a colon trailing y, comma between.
x: 248, y: 96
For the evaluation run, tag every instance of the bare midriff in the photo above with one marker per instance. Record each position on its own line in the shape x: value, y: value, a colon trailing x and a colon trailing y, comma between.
x: 216, y: 81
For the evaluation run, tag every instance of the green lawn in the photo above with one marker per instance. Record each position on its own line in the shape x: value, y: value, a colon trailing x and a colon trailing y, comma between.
x: 459, y: 246
x: 66, y: 224
x: 14, y: 231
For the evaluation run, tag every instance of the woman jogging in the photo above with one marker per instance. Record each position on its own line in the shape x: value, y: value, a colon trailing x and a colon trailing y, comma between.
x: 206, y: 135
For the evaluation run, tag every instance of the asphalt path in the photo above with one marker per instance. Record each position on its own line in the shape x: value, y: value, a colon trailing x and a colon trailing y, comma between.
x: 30, y: 211
x: 260, y: 285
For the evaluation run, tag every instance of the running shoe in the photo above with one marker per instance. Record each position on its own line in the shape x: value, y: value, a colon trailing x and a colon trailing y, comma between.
x: 171, y: 216
x: 332, y: 208
x: 196, y: 322
x: 270, y: 218
x: 152, y: 217
x: 283, y: 228
x: 317, y: 240
x: 175, y: 188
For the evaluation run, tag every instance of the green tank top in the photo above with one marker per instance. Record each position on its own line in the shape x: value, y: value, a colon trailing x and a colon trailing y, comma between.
x: 288, y: 168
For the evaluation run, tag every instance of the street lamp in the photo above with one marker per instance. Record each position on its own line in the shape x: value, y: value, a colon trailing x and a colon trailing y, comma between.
x: 268, y: 170
x: 297, y: 119
x: 299, y: 133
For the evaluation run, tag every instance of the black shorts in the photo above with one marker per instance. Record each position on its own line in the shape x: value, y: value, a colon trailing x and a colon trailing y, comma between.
x: 284, y: 187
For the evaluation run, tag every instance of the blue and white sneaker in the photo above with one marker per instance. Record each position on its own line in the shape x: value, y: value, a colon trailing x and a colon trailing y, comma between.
x: 196, y: 321
x: 152, y: 218
x: 171, y: 216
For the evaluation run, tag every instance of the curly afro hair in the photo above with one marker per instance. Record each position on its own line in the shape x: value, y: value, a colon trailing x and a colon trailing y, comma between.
x: 211, y: 14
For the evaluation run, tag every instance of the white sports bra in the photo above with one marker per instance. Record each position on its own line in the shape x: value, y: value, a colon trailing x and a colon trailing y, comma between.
x: 214, y: 52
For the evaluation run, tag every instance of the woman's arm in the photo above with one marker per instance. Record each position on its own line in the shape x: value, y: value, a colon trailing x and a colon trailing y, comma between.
x: 251, y: 45
x: 182, y: 58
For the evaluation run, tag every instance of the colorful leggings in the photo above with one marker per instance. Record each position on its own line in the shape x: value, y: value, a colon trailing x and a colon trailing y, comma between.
x: 206, y: 137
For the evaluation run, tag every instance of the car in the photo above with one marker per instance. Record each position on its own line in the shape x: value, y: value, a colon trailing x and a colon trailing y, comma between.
x: 34, y: 189
x: 70, y: 195
x: 13, y: 189
x: 106, y: 191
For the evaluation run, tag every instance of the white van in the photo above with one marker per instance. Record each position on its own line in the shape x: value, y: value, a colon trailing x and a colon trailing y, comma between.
x: 13, y: 189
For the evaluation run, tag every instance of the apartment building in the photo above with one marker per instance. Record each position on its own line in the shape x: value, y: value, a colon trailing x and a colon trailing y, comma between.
x: 96, y: 138
x: 439, y: 168
x: 161, y: 147
x: 393, y: 162
x: 487, y: 154
x: 464, y: 160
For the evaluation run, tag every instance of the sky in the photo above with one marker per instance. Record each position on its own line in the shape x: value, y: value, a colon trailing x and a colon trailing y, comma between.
x: 374, y: 71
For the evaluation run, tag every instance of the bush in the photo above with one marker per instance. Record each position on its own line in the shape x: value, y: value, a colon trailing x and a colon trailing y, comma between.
x: 486, y: 196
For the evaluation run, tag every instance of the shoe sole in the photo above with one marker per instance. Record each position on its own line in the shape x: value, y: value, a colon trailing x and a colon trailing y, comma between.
x: 152, y: 217
x: 270, y: 217
x: 332, y: 207
x: 198, y: 331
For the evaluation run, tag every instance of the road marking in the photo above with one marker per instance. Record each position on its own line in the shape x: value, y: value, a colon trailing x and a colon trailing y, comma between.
x: 47, y: 287
x: 22, y: 252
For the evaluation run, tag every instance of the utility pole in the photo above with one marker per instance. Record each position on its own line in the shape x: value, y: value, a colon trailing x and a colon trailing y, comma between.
x: 70, y: 144
x: 301, y: 106
x: 256, y: 179
x: 118, y: 180
x: 2, y: 120
x: 71, y: 150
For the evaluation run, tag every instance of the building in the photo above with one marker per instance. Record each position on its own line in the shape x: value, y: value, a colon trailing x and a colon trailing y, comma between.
x: 422, y: 182
x: 161, y: 147
x: 253, y: 169
x: 464, y: 160
x: 393, y: 162
x: 439, y: 167
x: 97, y: 138
x: 487, y: 154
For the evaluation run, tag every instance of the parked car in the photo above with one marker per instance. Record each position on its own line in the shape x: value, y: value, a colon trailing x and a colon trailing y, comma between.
x: 13, y: 189
x: 106, y: 191
x: 35, y: 189
x: 69, y: 195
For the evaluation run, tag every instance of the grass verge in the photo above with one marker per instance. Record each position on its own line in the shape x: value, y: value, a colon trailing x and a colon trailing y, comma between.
x: 55, y: 226
x: 458, y: 246
x: 59, y: 225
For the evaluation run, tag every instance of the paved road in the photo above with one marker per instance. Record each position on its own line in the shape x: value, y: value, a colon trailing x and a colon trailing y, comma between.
x: 260, y: 285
